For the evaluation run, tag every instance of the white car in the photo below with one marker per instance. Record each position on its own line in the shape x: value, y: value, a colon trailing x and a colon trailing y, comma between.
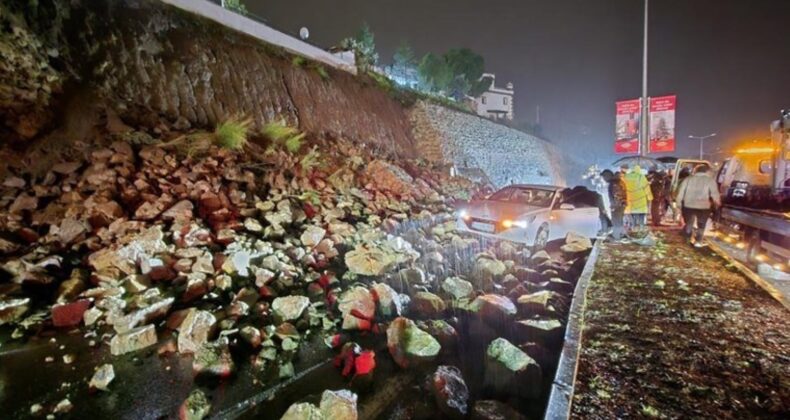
x: 532, y: 214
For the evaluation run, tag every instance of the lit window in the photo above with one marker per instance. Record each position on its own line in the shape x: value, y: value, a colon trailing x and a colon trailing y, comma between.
x: 483, y: 99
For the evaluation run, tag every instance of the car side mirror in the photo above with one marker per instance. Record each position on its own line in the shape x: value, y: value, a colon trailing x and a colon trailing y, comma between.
x: 567, y: 206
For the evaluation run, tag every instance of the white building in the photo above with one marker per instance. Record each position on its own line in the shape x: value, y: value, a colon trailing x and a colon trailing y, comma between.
x: 496, y: 103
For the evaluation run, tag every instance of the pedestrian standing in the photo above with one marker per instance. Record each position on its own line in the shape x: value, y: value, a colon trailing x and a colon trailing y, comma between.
x: 618, y: 200
x: 698, y: 196
x: 657, y: 181
x: 639, y: 196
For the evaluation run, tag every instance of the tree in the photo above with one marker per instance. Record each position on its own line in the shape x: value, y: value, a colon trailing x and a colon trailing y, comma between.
x: 403, y: 60
x: 457, y: 73
x: 434, y: 72
x: 364, y: 46
x: 235, y: 5
x: 467, y: 68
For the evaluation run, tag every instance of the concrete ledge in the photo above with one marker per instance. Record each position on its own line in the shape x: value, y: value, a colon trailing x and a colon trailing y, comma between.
x: 260, y: 31
x: 561, y: 397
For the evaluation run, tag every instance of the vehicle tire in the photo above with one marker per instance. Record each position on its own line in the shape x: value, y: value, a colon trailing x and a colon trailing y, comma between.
x: 541, y: 237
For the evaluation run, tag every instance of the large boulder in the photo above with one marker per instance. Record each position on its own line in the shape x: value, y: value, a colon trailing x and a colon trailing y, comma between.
x: 510, y: 371
x: 496, y: 310
x: 133, y: 340
x: 450, y: 392
x: 543, y: 303
x: 358, y: 308
x: 195, y: 330
x: 339, y: 405
x: 576, y: 244
x: 427, y: 305
x: 410, y: 345
x: 547, y: 332
x: 371, y: 261
x: 387, y: 299
x: 458, y: 288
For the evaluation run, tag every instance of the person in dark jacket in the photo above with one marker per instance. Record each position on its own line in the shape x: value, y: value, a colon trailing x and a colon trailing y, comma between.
x: 618, y: 200
x: 658, y: 181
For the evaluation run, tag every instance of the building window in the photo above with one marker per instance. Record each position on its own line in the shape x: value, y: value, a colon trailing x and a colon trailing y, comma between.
x: 504, y: 100
x: 483, y: 99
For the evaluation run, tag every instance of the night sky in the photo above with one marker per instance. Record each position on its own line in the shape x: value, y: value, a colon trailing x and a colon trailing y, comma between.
x: 727, y: 60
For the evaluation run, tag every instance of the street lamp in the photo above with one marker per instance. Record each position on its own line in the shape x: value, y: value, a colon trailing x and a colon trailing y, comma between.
x: 702, y: 141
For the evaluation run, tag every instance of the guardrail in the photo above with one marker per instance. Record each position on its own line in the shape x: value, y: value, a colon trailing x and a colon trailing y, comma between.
x: 256, y: 27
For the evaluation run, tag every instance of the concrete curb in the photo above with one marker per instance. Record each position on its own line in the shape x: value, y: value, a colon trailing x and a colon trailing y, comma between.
x: 561, y: 398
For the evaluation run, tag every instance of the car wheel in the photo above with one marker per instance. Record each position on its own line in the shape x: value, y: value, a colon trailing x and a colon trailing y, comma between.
x: 542, y: 237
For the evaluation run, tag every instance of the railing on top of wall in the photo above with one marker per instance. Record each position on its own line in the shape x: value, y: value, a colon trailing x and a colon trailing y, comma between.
x: 256, y: 27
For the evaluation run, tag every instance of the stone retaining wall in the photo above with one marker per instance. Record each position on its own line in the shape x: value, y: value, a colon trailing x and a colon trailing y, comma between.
x: 464, y: 140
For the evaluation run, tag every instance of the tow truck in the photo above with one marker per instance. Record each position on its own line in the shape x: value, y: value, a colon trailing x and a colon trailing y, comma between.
x: 755, y: 188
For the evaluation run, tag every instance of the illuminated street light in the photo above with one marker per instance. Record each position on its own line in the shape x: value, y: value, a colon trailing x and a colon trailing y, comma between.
x: 702, y: 141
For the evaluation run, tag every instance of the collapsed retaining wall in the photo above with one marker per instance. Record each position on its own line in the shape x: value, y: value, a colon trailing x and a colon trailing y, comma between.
x: 156, y: 66
x: 506, y: 155
x: 151, y: 62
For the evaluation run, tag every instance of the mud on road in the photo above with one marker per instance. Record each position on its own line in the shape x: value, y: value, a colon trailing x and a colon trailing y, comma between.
x: 673, y: 332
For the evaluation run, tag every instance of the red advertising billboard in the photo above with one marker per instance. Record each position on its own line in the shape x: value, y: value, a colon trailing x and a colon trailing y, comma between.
x: 627, y: 126
x: 662, y: 124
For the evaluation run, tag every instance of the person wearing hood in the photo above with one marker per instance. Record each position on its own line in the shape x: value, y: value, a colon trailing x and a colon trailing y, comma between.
x: 698, y: 196
x: 618, y: 200
x: 639, y: 196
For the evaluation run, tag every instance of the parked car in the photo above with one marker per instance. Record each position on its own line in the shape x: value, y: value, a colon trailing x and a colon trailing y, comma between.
x: 531, y: 214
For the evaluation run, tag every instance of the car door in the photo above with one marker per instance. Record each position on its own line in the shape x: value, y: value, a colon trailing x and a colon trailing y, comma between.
x: 562, y: 221
x: 586, y: 221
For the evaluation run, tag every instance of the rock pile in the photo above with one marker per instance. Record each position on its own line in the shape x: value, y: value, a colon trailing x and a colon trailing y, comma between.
x: 252, y: 253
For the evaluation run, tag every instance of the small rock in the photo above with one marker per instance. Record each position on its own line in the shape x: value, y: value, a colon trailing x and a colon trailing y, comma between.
x: 312, y: 236
x: 102, y: 378
x: 12, y: 310
x: 69, y: 314
x: 64, y: 406
x: 494, y: 410
x: 195, y: 407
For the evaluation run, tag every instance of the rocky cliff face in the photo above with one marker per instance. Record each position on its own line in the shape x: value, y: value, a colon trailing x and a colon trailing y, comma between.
x: 468, y: 141
x: 152, y: 64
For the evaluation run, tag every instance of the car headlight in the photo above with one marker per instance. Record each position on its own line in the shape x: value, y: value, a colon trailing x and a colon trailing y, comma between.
x: 463, y: 214
x: 507, y: 224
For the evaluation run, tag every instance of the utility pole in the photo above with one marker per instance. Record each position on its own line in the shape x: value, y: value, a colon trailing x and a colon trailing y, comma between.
x: 644, y: 142
x: 702, y: 141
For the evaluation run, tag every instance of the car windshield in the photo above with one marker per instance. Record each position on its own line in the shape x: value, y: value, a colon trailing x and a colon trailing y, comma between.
x: 528, y: 196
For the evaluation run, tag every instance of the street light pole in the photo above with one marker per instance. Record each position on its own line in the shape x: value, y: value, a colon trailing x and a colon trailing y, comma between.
x: 644, y: 143
x: 702, y: 141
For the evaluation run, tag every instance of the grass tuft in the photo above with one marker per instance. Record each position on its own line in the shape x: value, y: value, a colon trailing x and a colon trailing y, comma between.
x: 232, y: 134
